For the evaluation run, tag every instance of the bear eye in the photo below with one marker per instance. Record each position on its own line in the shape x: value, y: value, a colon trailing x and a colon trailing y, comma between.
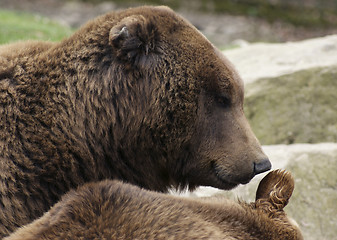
x: 222, y: 101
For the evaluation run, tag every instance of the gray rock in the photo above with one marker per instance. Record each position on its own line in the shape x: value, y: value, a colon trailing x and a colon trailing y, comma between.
x: 294, y: 108
x: 261, y: 60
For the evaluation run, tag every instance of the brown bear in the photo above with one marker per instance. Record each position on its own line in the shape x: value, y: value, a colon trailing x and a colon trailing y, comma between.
x: 138, y: 95
x: 115, y: 210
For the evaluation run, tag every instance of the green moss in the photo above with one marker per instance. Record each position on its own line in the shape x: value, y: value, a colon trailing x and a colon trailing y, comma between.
x: 22, y: 26
x: 299, y: 107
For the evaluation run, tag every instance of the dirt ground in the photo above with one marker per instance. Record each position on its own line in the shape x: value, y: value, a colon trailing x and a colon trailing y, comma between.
x: 222, y: 29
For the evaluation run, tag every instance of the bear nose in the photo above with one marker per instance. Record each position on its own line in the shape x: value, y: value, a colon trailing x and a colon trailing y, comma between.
x: 262, y: 166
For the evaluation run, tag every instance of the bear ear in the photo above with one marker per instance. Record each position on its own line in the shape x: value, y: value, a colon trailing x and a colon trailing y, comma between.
x: 276, y: 188
x: 133, y: 38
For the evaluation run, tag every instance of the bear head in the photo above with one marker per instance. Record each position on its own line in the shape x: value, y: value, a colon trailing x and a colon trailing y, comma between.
x: 176, y: 103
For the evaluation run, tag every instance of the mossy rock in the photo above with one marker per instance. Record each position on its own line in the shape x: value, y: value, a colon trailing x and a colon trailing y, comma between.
x: 295, y: 108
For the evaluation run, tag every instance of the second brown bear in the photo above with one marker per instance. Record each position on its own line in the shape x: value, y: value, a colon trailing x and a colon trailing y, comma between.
x: 114, y: 210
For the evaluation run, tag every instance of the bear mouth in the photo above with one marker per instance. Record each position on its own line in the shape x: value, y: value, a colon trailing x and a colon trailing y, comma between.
x: 226, y: 181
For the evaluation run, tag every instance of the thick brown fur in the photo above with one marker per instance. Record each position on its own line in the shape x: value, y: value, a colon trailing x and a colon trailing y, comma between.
x: 114, y: 210
x: 138, y: 95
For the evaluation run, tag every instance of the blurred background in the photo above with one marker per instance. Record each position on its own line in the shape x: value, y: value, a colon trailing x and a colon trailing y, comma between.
x: 221, y: 21
x: 286, y: 53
